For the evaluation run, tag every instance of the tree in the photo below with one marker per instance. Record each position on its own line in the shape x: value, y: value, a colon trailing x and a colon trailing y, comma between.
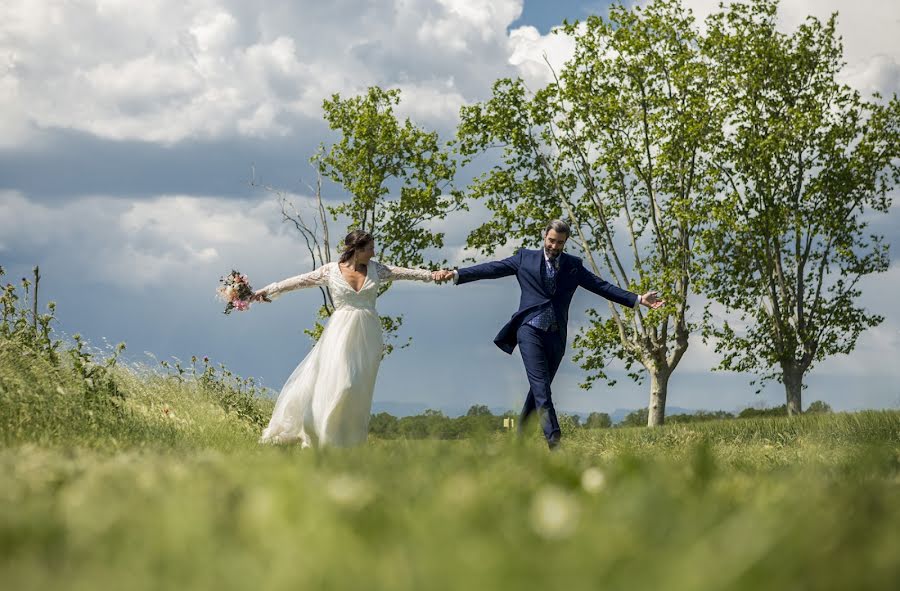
x: 618, y: 145
x: 398, y: 181
x: 384, y: 425
x: 569, y: 422
x: 636, y: 418
x: 818, y: 407
x: 598, y: 420
x: 775, y: 411
x: 478, y: 420
x: 700, y: 416
x: 804, y: 163
x: 479, y: 410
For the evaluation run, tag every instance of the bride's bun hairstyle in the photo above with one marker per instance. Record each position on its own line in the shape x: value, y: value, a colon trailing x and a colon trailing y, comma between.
x: 355, y: 240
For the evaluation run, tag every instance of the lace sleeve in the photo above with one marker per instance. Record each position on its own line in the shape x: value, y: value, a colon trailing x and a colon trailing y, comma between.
x: 311, y: 279
x: 391, y: 273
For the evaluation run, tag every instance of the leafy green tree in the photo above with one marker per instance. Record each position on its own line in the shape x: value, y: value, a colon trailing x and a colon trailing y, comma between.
x: 569, y: 421
x: 700, y: 416
x: 598, y: 420
x: 398, y: 178
x: 428, y: 424
x: 818, y: 407
x: 479, y: 410
x: 618, y: 145
x: 474, y: 425
x: 804, y: 165
x: 752, y: 413
x: 637, y: 418
x: 384, y: 425
x: 376, y: 153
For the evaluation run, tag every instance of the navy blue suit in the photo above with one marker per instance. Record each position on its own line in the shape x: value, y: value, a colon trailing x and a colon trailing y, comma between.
x: 542, y: 351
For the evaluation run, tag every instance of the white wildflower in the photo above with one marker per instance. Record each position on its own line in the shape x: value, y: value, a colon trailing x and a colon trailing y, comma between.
x: 593, y: 480
x: 553, y: 513
x: 349, y: 491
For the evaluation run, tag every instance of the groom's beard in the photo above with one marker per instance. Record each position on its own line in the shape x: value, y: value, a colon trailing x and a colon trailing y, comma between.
x: 552, y: 254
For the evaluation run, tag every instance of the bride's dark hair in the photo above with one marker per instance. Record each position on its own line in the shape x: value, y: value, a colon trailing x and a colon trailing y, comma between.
x: 355, y: 240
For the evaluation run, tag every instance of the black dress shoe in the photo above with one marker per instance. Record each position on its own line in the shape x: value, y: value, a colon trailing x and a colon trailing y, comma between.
x: 553, y: 443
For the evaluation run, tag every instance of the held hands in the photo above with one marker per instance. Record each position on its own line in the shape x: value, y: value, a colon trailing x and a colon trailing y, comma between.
x: 442, y: 276
x: 651, y: 299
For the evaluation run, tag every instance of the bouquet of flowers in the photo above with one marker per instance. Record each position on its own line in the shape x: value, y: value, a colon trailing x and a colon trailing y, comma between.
x: 235, y: 291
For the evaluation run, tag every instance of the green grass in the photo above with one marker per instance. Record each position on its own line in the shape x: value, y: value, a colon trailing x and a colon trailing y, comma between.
x: 166, y: 490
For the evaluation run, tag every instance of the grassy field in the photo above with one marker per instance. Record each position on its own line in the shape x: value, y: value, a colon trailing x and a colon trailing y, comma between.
x: 164, y: 489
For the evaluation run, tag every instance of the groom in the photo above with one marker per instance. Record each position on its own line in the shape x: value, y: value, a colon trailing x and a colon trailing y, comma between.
x: 548, y: 279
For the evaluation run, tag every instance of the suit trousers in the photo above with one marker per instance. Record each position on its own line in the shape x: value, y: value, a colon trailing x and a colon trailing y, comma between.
x: 542, y: 351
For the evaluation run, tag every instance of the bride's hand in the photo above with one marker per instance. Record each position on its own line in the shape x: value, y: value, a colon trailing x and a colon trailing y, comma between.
x: 260, y: 296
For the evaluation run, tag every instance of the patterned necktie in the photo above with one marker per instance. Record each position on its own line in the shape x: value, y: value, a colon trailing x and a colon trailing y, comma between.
x: 552, y: 269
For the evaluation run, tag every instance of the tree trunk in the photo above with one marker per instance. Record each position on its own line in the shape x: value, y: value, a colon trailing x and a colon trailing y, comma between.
x: 793, y: 385
x: 659, y: 386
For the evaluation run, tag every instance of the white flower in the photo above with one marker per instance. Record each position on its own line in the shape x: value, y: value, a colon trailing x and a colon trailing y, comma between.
x: 553, y: 513
x: 593, y: 480
x: 350, y: 492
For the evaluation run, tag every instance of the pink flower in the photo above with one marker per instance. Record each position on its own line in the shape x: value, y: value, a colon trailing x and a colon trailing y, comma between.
x: 241, y: 305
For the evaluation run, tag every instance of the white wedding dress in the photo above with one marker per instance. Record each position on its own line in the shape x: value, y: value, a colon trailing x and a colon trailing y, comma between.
x: 327, y: 400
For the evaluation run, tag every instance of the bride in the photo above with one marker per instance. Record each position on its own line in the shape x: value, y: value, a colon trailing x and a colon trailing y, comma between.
x: 327, y: 400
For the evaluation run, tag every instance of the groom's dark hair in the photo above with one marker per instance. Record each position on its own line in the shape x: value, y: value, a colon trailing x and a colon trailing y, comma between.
x: 558, y: 225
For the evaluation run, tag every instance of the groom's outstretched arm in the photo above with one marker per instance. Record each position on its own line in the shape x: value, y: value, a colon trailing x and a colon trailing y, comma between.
x: 491, y: 270
x: 605, y: 289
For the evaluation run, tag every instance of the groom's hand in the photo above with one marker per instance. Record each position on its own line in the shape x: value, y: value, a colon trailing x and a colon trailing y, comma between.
x: 652, y: 300
x: 442, y: 276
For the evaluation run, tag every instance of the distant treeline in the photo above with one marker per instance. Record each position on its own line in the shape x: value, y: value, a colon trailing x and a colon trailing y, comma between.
x: 479, y: 420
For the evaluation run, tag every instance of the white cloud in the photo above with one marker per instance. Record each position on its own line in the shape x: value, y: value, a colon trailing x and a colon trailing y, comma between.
x: 171, y: 70
x: 430, y: 101
x: 530, y: 52
x: 461, y: 21
x: 174, y: 239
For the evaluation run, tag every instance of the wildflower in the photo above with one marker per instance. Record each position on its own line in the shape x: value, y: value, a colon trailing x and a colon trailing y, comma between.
x: 349, y: 491
x: 593, y: 480
x: 553, y: 513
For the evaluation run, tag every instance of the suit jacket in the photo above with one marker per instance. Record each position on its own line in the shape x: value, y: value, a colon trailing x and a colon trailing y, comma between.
x: 529, y: 267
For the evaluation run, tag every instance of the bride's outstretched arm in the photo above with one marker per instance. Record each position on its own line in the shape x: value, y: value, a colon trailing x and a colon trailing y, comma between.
x: 391, y: 273
x: 311, y: 279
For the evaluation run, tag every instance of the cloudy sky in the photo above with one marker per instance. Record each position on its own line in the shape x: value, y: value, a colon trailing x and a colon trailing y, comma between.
x: 128, y: 131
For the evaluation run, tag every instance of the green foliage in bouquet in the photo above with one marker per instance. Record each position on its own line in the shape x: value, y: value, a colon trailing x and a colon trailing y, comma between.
x: 235, y: 292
